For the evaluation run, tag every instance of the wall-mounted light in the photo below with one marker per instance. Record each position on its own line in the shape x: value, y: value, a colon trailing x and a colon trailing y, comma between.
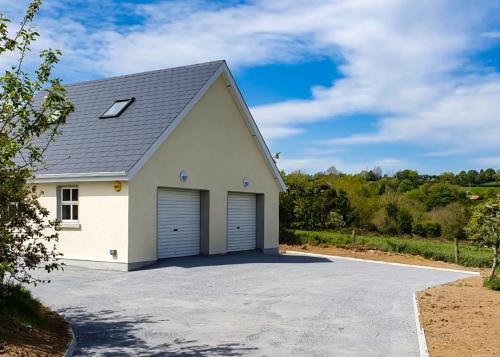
x: 183, y: 176
x: 113, y: 252
x: 246, y: 182
x: 117, y: 186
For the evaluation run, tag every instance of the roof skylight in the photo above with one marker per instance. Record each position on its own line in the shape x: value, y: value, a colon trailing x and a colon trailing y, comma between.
x: 117, y: 108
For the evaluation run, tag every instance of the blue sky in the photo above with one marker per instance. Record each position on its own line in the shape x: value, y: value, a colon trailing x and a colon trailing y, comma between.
x: 352, y: 84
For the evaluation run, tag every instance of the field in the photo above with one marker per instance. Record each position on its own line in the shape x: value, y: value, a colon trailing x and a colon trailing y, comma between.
x: 438, y: 250
x: 481, y: 190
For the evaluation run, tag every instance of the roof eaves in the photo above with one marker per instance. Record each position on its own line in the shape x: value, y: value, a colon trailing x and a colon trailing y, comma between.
x: 82, y: 176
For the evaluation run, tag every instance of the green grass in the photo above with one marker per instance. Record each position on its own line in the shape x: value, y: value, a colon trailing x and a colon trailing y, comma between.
x: 492, y: 283
x: 18, y: 304
x: 480, y: 190
x: 432, y: 249
x: 491, y: 184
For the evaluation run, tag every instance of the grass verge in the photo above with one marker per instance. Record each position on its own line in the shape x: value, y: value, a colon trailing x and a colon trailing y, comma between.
x: 492, y: 283
x: 27, y: 328
x: 431, y: 249
x: 19, y: 305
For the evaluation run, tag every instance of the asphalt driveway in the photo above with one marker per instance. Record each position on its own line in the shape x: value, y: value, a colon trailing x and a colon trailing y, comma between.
x: 244, y: 304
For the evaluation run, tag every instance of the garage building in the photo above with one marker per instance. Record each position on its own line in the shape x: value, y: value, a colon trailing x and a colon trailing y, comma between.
x: 160, y: 164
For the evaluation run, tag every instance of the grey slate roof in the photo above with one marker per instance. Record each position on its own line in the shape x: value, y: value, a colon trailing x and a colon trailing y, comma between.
x: 92, y: 145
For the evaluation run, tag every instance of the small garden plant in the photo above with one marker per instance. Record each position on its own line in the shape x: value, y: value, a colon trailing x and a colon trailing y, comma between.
x: 484, y: 230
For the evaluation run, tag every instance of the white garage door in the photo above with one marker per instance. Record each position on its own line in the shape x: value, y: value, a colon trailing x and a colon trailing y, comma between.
x: 178, y: 223
x: 241, y: 222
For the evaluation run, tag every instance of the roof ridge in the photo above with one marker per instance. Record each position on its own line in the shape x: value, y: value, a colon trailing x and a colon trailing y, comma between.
x: 144, y: 72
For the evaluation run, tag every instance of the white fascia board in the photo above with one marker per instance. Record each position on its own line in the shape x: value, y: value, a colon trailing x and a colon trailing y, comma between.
x: 235, y: 92
x: 81, y: 177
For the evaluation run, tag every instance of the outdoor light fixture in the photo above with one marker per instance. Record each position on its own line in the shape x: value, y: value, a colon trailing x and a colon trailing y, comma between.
x: 117, y: 186
x: 183, y: 176
x: 113, y: 252
x: 246, y: 182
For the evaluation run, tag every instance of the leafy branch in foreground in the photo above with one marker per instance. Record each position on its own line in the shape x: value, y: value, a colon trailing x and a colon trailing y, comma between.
x: 33, y: 106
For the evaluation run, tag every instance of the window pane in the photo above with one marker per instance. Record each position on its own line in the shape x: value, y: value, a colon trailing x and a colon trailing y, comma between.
x: 75, y: 212
x: 66, y: 194
x: 66, y: 212
x: 116, y: 108
x: 74, y: 194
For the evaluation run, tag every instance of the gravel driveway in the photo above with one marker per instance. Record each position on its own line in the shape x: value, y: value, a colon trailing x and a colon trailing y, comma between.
x: 244, y: 304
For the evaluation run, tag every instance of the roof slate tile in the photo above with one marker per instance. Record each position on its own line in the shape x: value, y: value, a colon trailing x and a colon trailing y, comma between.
x: 91, y: 145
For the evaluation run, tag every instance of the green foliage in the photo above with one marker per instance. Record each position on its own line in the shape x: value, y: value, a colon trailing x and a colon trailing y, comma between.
x: 428, y: 248
x: 452, y: 219
x: 398, y: 205
x: 492, y: 283
x: 311, y: 202
x: 32, y: 107
x: 473, y: 177
x: 419, y: 229
x: 484, y: 229
x: 405, y: 222
x: 18, y: 304
x: 437, y: 194
x: 432, y: 229
x: 490, y: 193
x: 484, y: 226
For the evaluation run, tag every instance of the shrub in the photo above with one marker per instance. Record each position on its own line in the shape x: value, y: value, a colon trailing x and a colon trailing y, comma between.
x: 432, y: 229
x: 405, y: 222
x: 418, y: 229
x: 288, y: 237
x: 492, y: 283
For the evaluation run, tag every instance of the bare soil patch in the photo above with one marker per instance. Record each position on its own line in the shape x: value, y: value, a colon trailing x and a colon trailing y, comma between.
x: 23, y: 340
x: 362, y: 252
x: 461, y: 318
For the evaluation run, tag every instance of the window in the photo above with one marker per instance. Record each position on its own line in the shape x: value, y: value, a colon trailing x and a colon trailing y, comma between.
x: 69, y: 204
x: 117, y: 108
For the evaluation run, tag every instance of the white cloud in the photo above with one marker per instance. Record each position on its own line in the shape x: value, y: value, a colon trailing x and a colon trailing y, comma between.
x: 403, y: 60
x: 277, y: 132
x: 463, y: 120
x: 321, y: 162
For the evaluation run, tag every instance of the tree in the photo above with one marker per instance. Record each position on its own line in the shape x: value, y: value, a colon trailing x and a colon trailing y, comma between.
x: 484, y: 229
x: 332, y: 170
x: 32, y: 107
x: 452, y: 219
x: 448, y: 177
x: 441, y: 194
x: 472, y: 177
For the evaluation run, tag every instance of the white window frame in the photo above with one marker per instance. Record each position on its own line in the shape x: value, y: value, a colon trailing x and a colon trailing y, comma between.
x: 71, y: 203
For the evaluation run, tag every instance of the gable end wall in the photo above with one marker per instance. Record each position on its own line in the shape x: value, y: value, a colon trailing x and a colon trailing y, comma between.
x: 214, y: 145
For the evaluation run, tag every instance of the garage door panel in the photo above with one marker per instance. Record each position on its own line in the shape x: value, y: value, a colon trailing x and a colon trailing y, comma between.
x: 178, y: 223
x: 242, y: 220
